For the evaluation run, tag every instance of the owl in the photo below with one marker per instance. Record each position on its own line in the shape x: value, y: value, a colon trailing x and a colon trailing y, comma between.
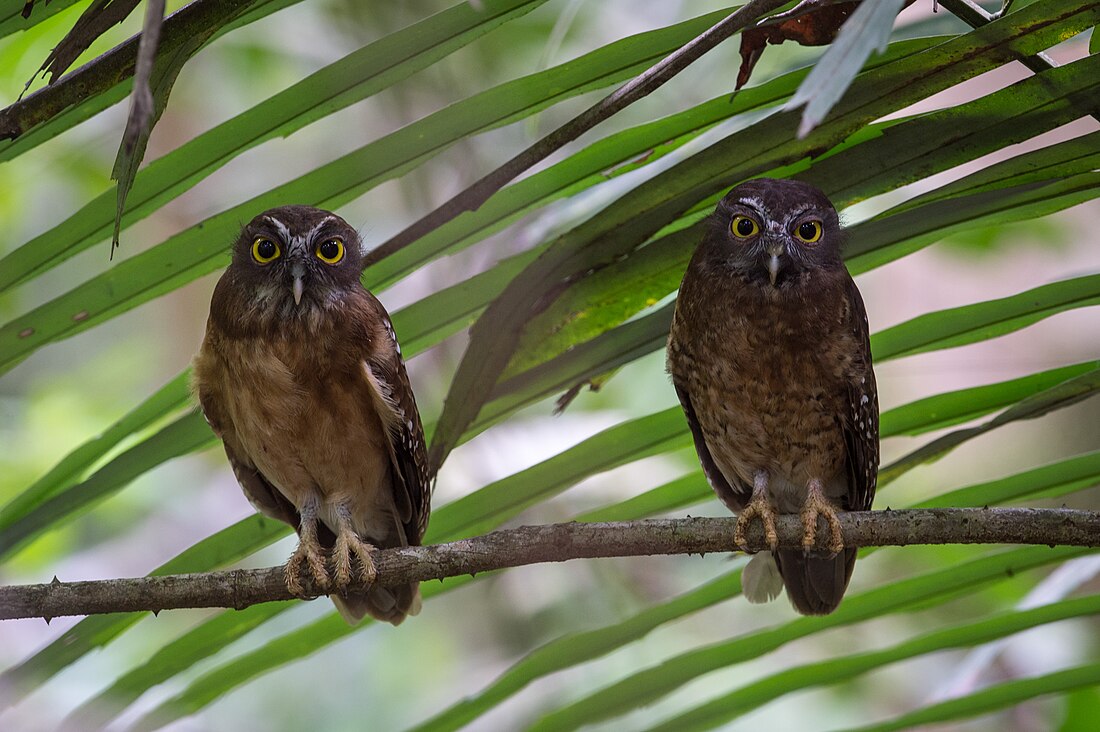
x: 770, y: 357
x: 301, y: 377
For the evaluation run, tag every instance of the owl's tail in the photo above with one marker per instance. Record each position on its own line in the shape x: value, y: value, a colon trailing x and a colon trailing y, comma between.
x: 388, y: 604
x: 815, y: 582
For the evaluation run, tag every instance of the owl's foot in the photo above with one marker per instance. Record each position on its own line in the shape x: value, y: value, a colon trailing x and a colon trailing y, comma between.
x: 348, y: 544
x: 308, y: 555
x: 818, y: 505
x: 759, y: 507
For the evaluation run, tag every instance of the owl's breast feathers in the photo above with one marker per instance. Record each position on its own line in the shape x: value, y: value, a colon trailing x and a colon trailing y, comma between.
x: 769, y: 375
x: 317, y: 405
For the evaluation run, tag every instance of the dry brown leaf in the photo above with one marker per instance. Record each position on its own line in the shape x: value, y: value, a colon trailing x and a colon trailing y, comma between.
x: 92, y: 23
x: 815, y: 27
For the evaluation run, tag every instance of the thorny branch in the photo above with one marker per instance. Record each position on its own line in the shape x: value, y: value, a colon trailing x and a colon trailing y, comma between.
x: 555, y: 543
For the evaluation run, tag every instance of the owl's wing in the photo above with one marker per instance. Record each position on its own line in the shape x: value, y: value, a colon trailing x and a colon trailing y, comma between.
x: 263, y: 496
x: 412, y: 489
x: 861, y: 424
x: 734, y: 494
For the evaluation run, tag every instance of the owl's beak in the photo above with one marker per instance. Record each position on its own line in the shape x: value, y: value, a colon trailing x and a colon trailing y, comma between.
x: 297, y: 287
x: 774, y: 250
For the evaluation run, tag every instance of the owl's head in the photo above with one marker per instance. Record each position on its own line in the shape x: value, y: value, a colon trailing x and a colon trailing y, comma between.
x: 294, y: 258
x: 773, y: 231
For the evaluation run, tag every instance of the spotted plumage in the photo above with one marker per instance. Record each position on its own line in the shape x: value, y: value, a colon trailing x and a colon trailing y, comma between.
x: 770, y: 356
x: 301, y: 376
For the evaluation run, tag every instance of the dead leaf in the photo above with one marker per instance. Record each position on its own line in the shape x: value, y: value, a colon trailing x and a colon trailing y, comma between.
x: 815, y: 27
x: 96, y: 20
x: 810, y: 23
x: 145, y: 107
x: 594, y: 384
x: 155, y: 72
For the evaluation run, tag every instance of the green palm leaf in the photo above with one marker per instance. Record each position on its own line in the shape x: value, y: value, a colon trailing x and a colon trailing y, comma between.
x: 549, y: 313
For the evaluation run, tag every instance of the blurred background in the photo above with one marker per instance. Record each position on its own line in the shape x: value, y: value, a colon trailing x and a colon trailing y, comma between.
x: 387, y: 678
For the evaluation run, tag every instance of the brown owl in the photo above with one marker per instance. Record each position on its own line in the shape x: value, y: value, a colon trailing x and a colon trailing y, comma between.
x: 301, y: 376
x: 770, y: 357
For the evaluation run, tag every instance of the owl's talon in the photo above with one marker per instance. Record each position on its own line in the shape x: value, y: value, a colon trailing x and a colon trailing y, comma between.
x: 766, y: 516
x: 367, y: 571
x: 348, y: 544
x: 759, y: 507
x: 341, y: 563
x: 307, y: 556
x: 818, y: 505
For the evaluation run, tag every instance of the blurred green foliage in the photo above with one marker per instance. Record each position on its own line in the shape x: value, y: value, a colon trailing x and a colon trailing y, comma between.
x: 966, y: 193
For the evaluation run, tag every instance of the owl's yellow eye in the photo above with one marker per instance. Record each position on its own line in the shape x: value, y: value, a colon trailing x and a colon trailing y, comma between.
x: 743, y: 227
x: 330, y: 251
x: 264, y: 250
x: 808, y: 231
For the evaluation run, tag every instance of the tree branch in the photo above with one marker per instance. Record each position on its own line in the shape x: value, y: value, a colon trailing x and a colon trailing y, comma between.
x: 555, y: 543
x: 640, y: 86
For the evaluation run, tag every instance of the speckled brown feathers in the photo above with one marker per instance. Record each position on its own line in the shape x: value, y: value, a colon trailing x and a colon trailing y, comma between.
x: 770, y: 357
x: 301, y: 376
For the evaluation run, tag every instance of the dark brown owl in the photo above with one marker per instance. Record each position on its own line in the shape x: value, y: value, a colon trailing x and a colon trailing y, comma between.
x: 770, y: 356
x: 301, y: 377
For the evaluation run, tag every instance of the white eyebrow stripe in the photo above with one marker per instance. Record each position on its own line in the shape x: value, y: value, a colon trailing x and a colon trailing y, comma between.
x: 800, y: 213
x: 280, y: 227
x: 756, y: 203
x: 318, y: 227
